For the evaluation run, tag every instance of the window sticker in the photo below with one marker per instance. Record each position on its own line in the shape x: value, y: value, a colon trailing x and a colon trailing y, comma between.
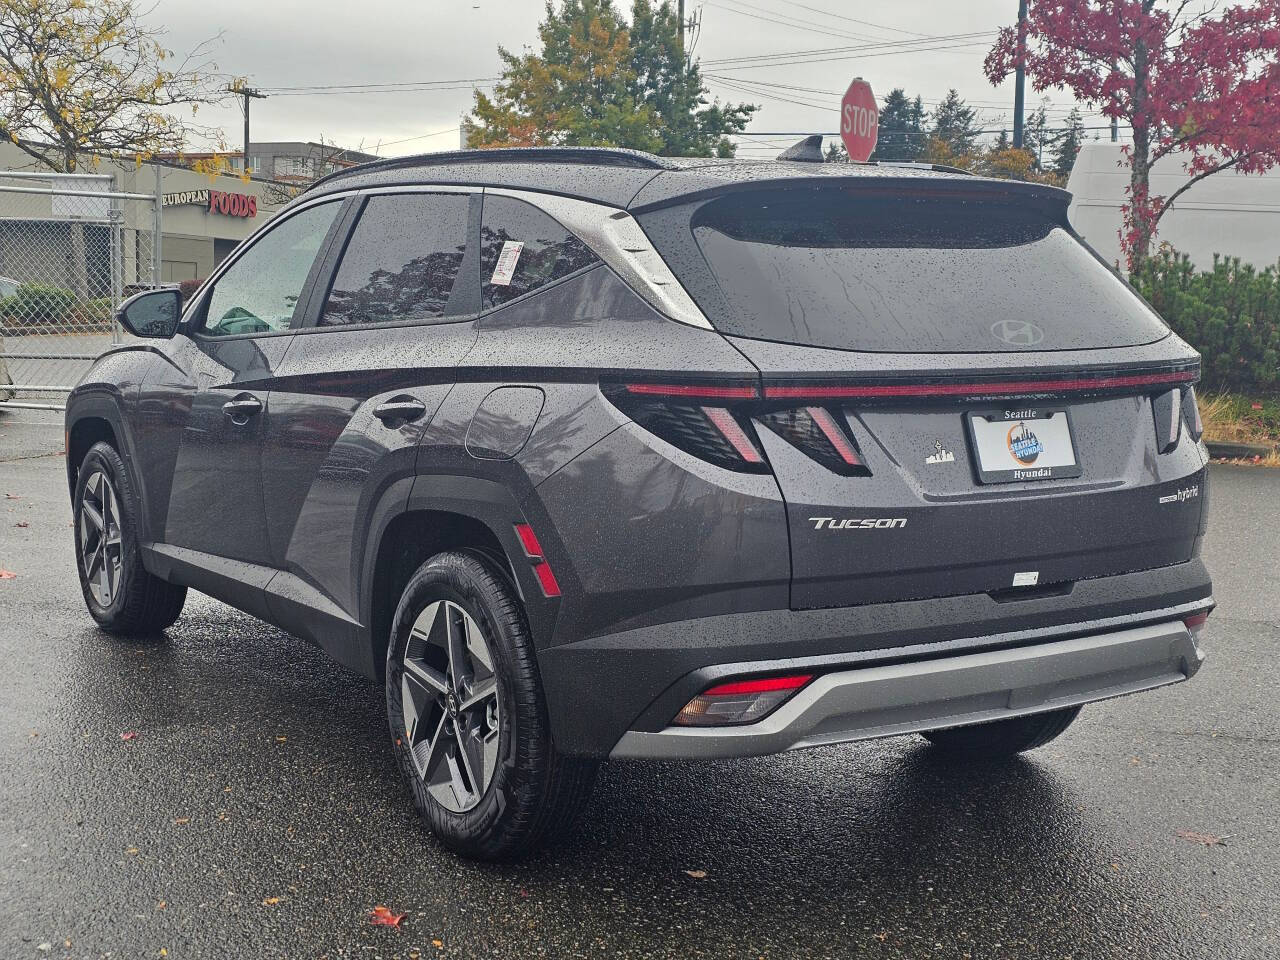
x: 505, y: 268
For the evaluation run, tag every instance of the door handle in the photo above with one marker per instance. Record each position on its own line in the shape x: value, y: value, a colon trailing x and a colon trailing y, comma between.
x: 242, y: 407
x: 399, y: 408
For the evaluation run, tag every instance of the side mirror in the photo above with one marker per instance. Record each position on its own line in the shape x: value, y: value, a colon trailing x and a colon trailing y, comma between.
x: 152, y: 313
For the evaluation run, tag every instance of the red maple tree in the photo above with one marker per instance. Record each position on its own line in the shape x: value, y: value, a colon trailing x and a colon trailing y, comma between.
x: 1187, y: 78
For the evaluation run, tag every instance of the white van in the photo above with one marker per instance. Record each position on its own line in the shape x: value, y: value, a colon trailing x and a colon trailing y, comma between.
x: 1228, y: 213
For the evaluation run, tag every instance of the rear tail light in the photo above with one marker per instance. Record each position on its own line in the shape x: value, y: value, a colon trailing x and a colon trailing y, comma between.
x: 818, y: 432
x: 741, y: 701
x: 705, y: 420
x: 1191, y: 414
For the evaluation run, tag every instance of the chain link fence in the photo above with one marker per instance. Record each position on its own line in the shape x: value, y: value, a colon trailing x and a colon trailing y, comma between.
x: 71, y: 249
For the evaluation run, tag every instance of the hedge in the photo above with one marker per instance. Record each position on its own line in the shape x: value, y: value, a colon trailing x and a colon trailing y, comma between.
x: 1231, y: 314
x: 37, y: 303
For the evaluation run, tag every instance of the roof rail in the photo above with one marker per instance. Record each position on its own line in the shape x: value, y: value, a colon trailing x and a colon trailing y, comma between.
x: 597, y: 156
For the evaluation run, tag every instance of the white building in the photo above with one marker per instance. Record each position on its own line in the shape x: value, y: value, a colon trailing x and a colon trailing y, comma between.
x: 1228, y: 213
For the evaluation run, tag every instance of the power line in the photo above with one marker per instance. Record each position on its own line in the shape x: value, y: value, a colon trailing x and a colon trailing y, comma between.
x: 788, y: 56
x: 793, y: 22
x: 865, y: 23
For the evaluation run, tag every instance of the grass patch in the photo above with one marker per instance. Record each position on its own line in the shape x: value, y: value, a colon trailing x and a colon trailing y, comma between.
x: 1232, y: 418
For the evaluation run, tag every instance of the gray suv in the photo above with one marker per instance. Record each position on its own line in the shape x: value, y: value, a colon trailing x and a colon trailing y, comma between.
x: 590, y: 454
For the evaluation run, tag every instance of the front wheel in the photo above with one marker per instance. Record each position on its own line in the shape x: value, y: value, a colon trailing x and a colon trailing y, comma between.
x: 467, y: 715
x: 120, y: 594
x: 1003, y: 738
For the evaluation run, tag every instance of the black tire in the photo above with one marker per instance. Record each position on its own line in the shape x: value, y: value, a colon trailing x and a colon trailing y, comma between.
x: 1003, y: 738
x: 535, y: 794
x: 135, y: 603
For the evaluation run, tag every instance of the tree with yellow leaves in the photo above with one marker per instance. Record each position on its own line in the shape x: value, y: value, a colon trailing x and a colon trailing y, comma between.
x: 87, y: 76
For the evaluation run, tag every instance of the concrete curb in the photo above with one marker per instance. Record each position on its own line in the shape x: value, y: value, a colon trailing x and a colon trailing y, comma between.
x: 1239, y: 451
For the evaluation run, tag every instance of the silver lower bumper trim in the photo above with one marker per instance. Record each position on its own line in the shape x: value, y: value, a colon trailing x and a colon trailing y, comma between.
x: 884, y: 701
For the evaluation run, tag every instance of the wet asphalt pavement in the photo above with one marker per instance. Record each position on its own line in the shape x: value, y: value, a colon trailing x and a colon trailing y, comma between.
x: 257, y: 812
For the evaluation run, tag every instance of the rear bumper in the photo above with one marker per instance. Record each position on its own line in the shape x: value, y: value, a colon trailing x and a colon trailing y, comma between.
x: 896, y: 698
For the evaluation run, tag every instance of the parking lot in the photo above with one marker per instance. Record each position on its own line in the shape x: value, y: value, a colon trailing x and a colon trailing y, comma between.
x: 257, y: 812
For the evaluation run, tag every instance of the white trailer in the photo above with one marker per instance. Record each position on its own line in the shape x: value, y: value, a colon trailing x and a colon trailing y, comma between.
x: 1228, y: 213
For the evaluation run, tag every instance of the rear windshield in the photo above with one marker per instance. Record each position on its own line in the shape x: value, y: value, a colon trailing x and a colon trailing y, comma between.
x: 831, y: 268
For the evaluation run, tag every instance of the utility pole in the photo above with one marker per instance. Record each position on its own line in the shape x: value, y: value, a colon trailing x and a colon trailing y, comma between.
x: 680, y: 14
x: 1019, y: 76
x: 249, y: 93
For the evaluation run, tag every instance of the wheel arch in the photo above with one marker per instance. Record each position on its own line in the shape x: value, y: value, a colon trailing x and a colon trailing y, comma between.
x: 438, y: 514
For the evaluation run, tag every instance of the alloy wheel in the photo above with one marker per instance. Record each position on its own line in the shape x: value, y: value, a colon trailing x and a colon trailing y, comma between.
x: 451, y: 707
x: 101, y: 545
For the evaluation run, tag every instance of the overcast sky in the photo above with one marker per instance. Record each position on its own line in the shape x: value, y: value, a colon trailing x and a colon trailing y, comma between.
x: 328, y: 42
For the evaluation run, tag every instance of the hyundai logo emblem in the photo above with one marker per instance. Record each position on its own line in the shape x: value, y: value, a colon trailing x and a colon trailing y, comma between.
x: 1019, y: 333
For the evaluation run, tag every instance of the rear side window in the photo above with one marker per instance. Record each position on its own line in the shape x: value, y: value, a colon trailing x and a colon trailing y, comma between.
x: 522, y: 249
x: 835, y: 268
x: 402, y: 260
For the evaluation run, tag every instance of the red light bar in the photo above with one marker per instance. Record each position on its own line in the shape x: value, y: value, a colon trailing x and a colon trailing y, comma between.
x: 1074, y: 385
x: 763, y: 685
x: 709, y: 391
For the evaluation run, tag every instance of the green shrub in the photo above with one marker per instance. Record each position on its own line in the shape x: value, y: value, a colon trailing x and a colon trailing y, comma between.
x: 92, y: 314
x: 1231, y: 314
x: 38, y: 303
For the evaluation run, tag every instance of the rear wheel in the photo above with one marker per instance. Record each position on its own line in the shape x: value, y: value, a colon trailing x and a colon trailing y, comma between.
x: 467, y: 715
x: 1003, y: 738
x: 121, y: 596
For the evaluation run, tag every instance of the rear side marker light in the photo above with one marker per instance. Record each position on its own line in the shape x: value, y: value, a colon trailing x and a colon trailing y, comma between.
x: 533, y: 552
x: 740, y: 701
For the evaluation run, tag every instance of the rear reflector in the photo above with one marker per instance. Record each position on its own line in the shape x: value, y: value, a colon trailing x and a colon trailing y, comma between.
x: 740, y: 701
x: 1195, y: 623
x: 541, y: 569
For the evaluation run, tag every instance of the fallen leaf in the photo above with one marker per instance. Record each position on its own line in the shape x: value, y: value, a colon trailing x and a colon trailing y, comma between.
x: 161, y: 905
x: 181, y: 821
x: 270, y: 901
x: 164, y: 952
x: 438, y: 944
x: 697, y: 874
x: 129, y: 735
x: 382, y: 917
x: 1208, y: 839
x: 281, y: 739
x: 132, y: 851
x: 8, y: 575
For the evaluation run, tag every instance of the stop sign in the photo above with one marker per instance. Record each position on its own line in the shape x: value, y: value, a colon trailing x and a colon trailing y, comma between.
x: 859, y: 121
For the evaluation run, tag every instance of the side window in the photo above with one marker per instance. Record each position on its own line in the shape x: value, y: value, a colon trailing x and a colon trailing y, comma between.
x: 260, y: 291
x: 402, y: 260
x: 522, y: 249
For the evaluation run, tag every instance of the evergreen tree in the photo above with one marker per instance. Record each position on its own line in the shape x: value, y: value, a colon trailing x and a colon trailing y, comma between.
x: 902, y: 127
x: 1035, y: 136
x: 953, y: 124
x: 598, y: 82
x: 1067, y: 144
x: 688, y: 124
